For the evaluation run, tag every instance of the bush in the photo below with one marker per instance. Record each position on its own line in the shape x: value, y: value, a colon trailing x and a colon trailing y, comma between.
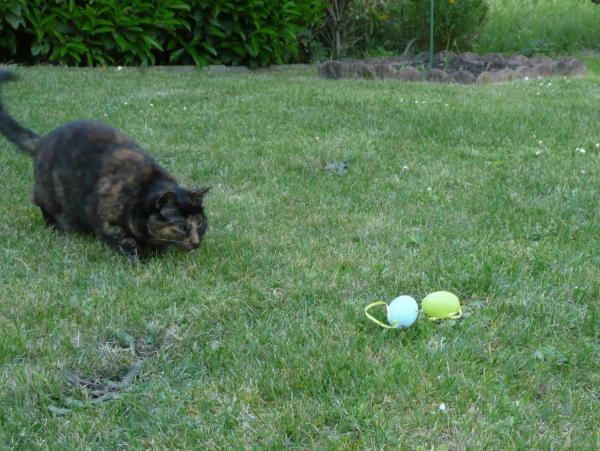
x: 252, y: 32
x: 93, y: 32
x: 389, y: 26
x: 11, y: 18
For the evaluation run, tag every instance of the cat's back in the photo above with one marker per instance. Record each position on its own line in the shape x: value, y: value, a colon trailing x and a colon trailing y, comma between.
x: 83, y: 140
x: 88, y: 149
x: 81, y: 161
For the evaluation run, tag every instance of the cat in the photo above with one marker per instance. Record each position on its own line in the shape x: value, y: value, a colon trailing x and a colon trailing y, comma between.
x: 92, y: 178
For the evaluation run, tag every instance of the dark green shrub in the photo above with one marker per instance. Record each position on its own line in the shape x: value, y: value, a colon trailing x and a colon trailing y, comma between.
x: 102, y: 31
x: 388, y: 26
x: 252, y: 32
x: 11, y: 18
x: 456, y: 24
x: 92, y: 32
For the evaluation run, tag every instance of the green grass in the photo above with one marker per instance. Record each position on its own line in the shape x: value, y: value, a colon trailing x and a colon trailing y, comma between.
x: 259, y: 337
x: 533, y: 26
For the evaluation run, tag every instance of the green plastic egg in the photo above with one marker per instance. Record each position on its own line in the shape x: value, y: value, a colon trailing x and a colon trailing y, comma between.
x: 441, y: 305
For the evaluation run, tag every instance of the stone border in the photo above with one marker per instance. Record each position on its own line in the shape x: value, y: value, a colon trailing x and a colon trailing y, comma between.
x: 450, y: 67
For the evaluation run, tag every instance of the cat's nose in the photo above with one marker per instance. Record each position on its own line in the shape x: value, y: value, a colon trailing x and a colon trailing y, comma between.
x: 194, y: 239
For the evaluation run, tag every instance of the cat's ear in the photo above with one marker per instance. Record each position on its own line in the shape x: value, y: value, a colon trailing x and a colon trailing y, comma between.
x: 197, y: 195
x: 164, y: 198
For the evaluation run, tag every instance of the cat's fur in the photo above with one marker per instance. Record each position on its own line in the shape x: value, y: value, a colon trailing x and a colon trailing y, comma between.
x: 92, y: 178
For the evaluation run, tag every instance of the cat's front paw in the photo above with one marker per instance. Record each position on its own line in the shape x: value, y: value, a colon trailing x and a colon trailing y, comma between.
x: 131, y: 249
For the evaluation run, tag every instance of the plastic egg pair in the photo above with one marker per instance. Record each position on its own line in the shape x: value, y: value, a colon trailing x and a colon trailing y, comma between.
x: 403, y: 311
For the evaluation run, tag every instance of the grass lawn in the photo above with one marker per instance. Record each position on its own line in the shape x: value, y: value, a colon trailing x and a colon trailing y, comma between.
x: 531, y: 26
x: 259, y: 337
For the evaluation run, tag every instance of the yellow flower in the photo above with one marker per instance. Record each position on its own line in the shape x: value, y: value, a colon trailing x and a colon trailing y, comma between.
x: 452, y: 2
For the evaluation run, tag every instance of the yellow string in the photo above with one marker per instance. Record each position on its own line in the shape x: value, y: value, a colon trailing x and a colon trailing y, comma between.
x: 375, y: 320
x: 451, y: 316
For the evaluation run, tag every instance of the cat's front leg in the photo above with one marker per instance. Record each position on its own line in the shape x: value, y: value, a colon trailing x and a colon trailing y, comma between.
x: 131, y: 249
x: 117, y: 237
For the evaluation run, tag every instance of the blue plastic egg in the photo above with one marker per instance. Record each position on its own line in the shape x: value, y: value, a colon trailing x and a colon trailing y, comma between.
x: 402, y: 312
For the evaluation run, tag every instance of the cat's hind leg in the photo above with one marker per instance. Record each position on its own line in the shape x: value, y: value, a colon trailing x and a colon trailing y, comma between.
x: 43, y: 200
x: 50, y: 221
x: 57, y: 222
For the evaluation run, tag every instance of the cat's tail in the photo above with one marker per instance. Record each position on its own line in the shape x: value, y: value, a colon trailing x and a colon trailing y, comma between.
x: 24, y: 139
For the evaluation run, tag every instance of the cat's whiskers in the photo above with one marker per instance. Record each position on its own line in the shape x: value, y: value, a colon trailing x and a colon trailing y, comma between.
x: 160, y: 240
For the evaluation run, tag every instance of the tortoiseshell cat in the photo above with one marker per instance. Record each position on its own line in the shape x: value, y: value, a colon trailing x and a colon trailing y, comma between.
x: 92, y: 178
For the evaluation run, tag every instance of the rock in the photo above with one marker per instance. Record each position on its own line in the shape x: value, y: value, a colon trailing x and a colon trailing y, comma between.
x: 471, y: 58
x: 463, y: 77
x: 517, y: 60
x: 438, y: 75
x: 384, y: 71
x: 464, y: 68
x: 544, y: 69
x: 485, y: 77
x: 363, y: 70
x: 506, y: 75
x: 400, y: 61
x: 421, y: 58
x: 494, y: 59
x: 445, y: 58
x: 541, y: 59
x: 497, y: 76
x: 333, y: 70
x: 525, y: 72
x: 570, y: 66
x: 408, y: 74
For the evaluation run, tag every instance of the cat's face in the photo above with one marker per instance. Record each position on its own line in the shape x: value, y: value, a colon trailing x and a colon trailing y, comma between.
x: 178, y: 219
